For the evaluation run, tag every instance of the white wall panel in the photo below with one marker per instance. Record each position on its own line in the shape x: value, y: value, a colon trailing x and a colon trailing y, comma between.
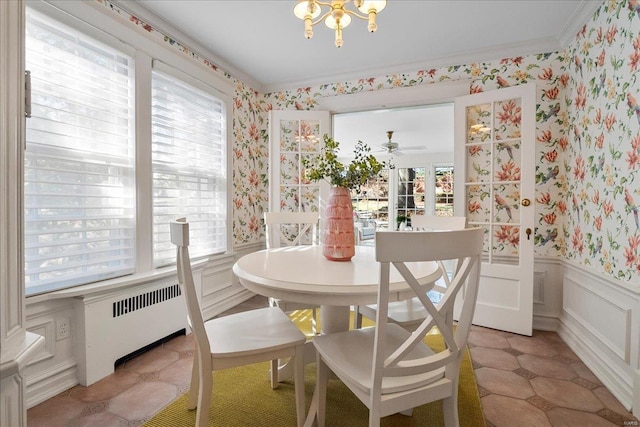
x: 609, y: 322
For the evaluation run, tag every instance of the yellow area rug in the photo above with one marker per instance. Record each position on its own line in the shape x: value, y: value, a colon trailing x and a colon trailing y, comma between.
x: 242, y: 397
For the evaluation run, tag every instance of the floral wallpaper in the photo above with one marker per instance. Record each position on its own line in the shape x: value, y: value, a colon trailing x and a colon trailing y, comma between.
x: 587, y: 136
x: 602, y: 159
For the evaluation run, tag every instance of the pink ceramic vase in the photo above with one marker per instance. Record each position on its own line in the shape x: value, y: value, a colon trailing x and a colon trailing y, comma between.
x: 338, y: 238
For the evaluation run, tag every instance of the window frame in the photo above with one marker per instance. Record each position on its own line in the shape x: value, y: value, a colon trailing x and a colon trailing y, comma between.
x: 89, y: 18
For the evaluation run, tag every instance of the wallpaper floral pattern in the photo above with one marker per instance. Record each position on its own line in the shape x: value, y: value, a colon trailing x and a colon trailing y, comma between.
x: 587, y: 135
x: 602, y: 159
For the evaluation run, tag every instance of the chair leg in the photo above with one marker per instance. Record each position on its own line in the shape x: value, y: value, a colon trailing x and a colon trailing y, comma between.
x: 204, y: 394
x: 450, y: 410
x: 298, y: 379
x: 357, y: 318
x: 321, y: 390
x: 192, y: 399
x: 314, y: 321
x: 274, y: 373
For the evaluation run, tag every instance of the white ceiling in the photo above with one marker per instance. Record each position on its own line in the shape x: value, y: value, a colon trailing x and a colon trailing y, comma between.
x: 261, y: 42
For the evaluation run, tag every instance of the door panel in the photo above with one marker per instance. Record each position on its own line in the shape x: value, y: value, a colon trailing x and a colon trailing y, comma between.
x: 494, y: 149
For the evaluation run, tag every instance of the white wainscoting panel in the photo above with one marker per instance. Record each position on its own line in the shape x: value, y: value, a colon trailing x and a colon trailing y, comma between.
x: 607, y: 321
x: 600, y: 323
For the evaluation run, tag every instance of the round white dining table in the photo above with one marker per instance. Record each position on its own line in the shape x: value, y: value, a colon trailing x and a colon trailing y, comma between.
x: 303, y: 274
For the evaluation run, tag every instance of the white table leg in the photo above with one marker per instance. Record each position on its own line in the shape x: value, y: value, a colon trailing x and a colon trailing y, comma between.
x: 334, y: 319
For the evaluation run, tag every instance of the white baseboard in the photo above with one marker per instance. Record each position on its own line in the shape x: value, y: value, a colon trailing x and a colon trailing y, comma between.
x: 545, y: 323
x: 51, y: 382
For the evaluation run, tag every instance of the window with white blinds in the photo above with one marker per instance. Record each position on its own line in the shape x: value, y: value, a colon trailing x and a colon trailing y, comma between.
x: 189, y: 164
x: 79, y: 195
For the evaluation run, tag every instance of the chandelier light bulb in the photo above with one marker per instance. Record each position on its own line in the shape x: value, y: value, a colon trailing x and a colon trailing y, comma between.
x: 339, y: 41
x: 336, y: 15
x: 372, y: 27
x: 308, y: 31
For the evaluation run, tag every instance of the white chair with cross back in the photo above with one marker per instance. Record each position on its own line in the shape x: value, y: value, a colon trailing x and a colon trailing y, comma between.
x: 410, y: 313
x: 239, y: 339
x: 292, y: 229
x: 388, y: 368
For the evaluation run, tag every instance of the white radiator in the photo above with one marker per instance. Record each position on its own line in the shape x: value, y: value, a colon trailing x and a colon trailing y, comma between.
x: 119, y: 323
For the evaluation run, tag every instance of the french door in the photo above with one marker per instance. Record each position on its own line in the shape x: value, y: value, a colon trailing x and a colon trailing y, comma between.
x: 494, y: 159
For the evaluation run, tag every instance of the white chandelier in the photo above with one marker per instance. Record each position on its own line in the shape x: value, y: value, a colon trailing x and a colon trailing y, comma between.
x: 338, y: 16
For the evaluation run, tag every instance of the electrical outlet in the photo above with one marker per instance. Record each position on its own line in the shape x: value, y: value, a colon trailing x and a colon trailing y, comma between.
x: 63, y: 329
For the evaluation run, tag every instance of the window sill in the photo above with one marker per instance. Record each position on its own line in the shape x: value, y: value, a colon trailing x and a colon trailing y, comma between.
x: 107, y: 286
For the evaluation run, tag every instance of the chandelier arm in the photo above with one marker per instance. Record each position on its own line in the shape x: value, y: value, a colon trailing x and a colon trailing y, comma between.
x: 356, y: 14
x: 321, y: 17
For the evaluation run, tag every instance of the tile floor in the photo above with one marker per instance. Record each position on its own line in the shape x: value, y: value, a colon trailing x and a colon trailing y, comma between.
x: 523, y: 381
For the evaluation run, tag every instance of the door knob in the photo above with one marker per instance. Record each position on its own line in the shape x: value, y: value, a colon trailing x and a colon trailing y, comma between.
x: 525, y: 202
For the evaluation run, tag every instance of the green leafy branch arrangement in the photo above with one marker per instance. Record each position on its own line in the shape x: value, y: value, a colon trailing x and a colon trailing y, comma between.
x: 326, y: 165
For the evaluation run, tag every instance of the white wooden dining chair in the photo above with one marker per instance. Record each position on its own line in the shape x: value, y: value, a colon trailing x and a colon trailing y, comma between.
x: 292, y: 229
x: 409, y: 313
x: 389, y: 368
x: 234, y: 340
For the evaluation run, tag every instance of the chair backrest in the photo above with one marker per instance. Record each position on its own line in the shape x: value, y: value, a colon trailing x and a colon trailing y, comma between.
x: 399, y: 248
x: 180, y: 238
x: 434, y: 222
x: 291, y: 228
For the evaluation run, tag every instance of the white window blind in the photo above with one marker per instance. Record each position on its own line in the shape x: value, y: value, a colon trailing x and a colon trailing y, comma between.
x: 79, y: 195
x: 189, y: 164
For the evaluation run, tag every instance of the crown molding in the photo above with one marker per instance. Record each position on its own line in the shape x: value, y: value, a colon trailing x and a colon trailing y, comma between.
x: 581, y: 16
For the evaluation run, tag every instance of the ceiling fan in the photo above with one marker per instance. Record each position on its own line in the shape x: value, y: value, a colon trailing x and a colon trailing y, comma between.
x: 392, y: 147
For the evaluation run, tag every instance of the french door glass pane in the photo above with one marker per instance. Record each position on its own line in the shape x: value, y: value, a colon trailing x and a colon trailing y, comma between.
x: 299, y: 139
x: 493, y: 175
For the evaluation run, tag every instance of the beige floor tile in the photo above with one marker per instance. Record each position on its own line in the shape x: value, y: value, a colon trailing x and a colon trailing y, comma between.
x: 153, y: 360
x: 178, y: 373
x: 494, y: 358
x: 504, y: 383
x: 57, y: 411
x: 107, y: 388
x: 502, y: 411
x: 180, y: 344
x: 487, y: 339
x: 531, y: 345
x: 103, y: 419
x: 566, y: 394
x: 143, y: 400
x: 546, y: 367
x: 570, y: 417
